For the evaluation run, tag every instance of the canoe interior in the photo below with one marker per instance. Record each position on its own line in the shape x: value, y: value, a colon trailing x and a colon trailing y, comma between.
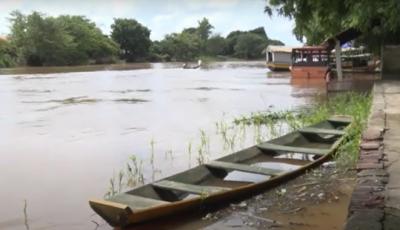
x: 235, y: 172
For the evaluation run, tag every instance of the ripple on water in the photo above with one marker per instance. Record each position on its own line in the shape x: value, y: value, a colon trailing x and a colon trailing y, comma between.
x: 33, y: 91
x: 67, y: 101
x: 205, y: 88
x: 130, y: 91
x: 131, y: 100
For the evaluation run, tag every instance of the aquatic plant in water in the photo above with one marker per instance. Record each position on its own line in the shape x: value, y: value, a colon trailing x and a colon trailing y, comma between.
x: 264, y: 125
x: 129, y: 177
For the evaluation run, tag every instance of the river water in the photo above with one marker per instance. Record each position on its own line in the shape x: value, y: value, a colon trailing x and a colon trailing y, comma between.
x: 64, y: 135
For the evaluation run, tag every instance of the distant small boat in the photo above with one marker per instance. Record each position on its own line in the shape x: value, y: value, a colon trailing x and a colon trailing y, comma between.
x: 310, y: 62
x: 208, y: 184
x: 192, y: 66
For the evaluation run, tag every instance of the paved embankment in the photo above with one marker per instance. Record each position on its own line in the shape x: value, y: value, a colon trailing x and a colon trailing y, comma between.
x: 375, y: 203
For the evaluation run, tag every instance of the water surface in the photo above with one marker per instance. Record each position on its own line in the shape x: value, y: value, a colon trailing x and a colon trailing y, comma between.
x: 64, y: 135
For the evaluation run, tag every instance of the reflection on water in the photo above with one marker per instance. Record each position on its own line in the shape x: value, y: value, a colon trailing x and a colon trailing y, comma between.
x: 238, y: 176
x: 67, y: 101
x: 129, y: 91
x: 63, y: 135
x: 280, y: 166
x: 130, y: 100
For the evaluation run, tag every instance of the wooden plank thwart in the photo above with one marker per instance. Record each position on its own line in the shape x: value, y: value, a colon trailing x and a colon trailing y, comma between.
x: 244, y: 168
x: 340, y: 119
x: 190, y: 188
x: 284, y: 148
x: 322, y: 131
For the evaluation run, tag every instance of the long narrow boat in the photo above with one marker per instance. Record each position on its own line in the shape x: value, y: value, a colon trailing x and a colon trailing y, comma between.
x: 215, y: 183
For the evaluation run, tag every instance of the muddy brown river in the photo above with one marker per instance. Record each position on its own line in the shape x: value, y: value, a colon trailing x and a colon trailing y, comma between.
x: 64, y: 135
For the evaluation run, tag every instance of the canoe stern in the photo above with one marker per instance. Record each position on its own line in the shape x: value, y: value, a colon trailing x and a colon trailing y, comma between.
x: 115, y: 214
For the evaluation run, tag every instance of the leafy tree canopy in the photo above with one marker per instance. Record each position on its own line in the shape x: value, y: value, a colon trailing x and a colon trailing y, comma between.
x: 133, y: 38
x: 216, y: 45
x: 249, y: 46
x: 257, y: 35
x: 377, y: 20
x: 7, y: 55
x: 64, y: 40
x: 204, y: 29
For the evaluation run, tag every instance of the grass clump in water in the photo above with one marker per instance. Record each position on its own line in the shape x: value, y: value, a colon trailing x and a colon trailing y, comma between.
x: 129, y: 177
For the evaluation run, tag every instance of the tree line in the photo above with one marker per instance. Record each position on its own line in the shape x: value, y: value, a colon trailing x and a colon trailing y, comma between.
x: 39, y: 40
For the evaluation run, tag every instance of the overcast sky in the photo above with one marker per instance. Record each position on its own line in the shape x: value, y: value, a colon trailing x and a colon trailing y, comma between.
x: 161, y: 16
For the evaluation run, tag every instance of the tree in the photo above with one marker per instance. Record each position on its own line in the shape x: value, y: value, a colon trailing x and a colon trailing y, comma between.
x: 249, y: 46
x: 90, y: 42
x: 7, y: 54
x: 275, y: 42
x: 257, y: 35
x: 181, y: 47
x: 204, y: 29
x: 156, y: 52
x: 216, y: 45
x: 133, y: 38
x: 193, y: 42
x: 63, y: 40
x: 377, y: 20
x: 190, y: 30
x: 187, y: 45
x: 259, y: 31
x: 41, y: 41
x: 231, y: 41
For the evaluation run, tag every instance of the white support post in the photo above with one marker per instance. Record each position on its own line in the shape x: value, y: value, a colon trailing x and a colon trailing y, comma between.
x: 338, y: 54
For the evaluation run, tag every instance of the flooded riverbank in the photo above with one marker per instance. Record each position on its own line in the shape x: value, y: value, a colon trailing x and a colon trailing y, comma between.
x: 64, y: 135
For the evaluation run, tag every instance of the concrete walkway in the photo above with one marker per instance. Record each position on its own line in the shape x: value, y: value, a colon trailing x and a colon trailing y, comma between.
x: 375, y: 201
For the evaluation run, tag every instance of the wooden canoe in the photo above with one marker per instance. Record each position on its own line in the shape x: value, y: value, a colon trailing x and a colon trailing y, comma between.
x: 212, y: 183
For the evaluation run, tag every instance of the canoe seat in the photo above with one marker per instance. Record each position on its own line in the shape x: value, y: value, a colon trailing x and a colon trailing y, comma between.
x: 136, y: 202
x: 340, y: 119
x: 284, y: 148
x: 190, y: 188
x: 322, y: 131
x: 244, y: 168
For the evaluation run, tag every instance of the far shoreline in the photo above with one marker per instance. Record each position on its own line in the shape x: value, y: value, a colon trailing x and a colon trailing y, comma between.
x: 21, y: 70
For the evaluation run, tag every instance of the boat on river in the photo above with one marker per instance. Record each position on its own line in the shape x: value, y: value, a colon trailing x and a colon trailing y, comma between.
x: 192, y: 66
x: 278, y: 57
x: 310, y: 62
x: 214, y: 182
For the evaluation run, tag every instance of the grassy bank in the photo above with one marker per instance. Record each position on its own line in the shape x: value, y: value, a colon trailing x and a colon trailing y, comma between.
x: 354, y: 104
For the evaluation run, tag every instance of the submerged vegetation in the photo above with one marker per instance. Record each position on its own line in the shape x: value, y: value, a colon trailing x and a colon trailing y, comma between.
x: 255, y: 128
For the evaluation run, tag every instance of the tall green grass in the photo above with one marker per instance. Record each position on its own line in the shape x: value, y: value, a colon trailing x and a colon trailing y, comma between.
x: 353, y: 104
x: 263, y: 125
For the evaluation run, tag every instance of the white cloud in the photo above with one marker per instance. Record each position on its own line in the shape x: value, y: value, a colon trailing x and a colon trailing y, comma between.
x: 163, y: 18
